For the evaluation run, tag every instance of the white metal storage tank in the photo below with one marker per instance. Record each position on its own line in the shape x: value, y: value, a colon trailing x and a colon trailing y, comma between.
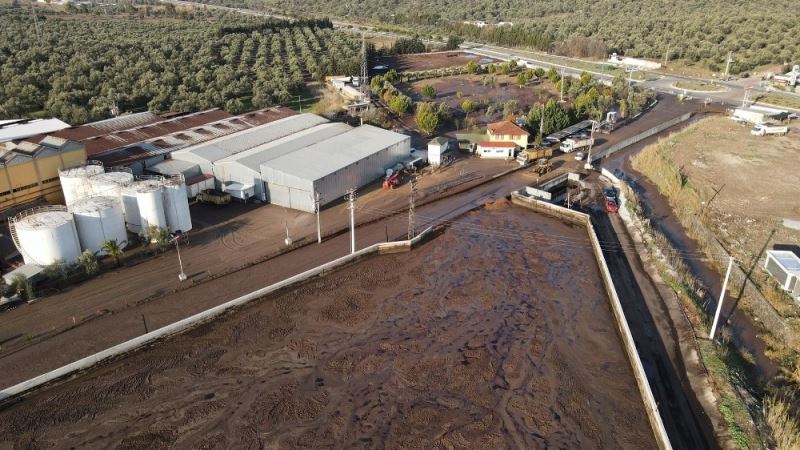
x: 46, y: 235
x: 130, y: 209
x: 150, y: 200
x: 110, y: 183
x: 176, y: 204
x: 99, y: 219
x: 75, y: 180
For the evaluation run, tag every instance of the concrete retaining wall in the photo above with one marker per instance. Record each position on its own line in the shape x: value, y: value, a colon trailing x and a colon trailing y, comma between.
x: 204, y: 316
x: 641, y: 136
x: 639, y: 374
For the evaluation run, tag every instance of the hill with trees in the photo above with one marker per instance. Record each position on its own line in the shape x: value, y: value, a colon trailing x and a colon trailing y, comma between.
x: 698, y: 31
x: 159, y: 59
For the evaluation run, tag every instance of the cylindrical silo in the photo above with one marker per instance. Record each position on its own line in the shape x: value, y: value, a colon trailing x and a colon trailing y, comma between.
x: 130, y: 209
x: 150, y: 200
x: 75, y: 180
x: 110, y: 183
x: 46, y: 235
x: 176, y: 205
x: 97, y: 220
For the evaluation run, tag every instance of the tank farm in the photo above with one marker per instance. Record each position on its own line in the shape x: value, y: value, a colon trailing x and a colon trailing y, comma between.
x: 494, y: 333
x: 101, y: 205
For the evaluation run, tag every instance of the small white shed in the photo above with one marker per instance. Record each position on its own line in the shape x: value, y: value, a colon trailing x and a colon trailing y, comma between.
x: 436, y: 148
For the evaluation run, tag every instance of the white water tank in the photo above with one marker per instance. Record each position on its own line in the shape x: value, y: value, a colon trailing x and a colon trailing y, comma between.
x: 176, y: 205
x: 46, y: 235
x: 75, y: 180
x: 130, y: 209
x: 150, y: 201
x: 99, y: 219
x: 110, y: 184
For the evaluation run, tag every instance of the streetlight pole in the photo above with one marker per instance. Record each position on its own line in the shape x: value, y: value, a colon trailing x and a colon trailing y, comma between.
x: 181, y: 276
x: 351, y: 198
x: 721, y: 297
x: 316, y: 208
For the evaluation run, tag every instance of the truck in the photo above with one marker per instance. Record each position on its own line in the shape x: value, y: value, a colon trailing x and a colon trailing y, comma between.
x: 525, y: 157
x: 572, y: 144
x: 763, y: 129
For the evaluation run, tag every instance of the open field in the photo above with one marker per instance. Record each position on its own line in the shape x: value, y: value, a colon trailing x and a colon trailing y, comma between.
x: 427, y: 61
x: 513, y: 346
x: 501, y: 90
x: 757, y: 175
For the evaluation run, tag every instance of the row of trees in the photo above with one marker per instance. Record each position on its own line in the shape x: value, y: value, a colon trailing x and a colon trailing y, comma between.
x: 699, y: 31
x: 82, y: 64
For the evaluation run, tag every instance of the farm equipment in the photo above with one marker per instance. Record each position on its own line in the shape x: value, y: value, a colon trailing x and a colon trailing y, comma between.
x: 392, y: 181
x: 214, y: 197
x: 542, y: 166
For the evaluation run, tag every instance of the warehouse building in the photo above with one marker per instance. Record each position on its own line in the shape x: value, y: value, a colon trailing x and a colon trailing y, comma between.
x: 284, y: 161
x: 332, y: 167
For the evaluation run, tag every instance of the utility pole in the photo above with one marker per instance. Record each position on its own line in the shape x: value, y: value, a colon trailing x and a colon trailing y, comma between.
x: 362, y: 82
x: 721, y: 297
x: 35, y: 21
x: 411, y: 217
x: 666, y: 55
x: 317, y: 199
x: 181, y: 276
x: 299, y: 105
x: 562, y: 86
x: 541, y: 126
x: 728, y: 65
x: 588, y: 164
x: 351, y: 198
x: 746, y: 97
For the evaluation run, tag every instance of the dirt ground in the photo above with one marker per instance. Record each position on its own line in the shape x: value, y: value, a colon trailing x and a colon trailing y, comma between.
x: 758, y: 177
x: 428, y: 61
x: 471, y: 341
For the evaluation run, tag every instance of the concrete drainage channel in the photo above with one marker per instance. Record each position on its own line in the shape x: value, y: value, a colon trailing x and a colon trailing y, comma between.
x: 642, y: 383
x: 201, y: 317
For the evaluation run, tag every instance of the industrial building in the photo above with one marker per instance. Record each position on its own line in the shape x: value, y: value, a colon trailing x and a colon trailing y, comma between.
x: 332, y: 167
x: 29, y: 170
x: 286, y: 161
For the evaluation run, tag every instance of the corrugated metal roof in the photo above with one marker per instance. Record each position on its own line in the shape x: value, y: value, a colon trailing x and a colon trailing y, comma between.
x: 173, y: 167
x: 20, y: 129
x: 254, y: 157
x: 326, y: 157
x: 238, y: 142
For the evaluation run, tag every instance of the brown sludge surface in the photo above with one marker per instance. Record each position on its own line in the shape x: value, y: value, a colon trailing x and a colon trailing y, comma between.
x: 470, y: 341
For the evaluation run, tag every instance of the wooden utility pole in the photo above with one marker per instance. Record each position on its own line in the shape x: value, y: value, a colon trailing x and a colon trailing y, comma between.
x: 411, y: 216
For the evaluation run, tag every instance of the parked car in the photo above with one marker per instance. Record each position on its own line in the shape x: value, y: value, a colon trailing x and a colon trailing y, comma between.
x: 610, y: 192
x: 611, y: 205
x: 579, y: 156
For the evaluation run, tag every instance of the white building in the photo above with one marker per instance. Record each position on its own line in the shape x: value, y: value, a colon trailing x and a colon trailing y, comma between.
x: 643, y: 64
x: 347, y: 161
x: 496, y: 149
x: 784, y: 266
x: 436, y: 148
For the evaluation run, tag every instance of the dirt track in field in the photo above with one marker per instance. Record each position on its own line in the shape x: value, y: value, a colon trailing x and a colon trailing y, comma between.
x: 474, y: 340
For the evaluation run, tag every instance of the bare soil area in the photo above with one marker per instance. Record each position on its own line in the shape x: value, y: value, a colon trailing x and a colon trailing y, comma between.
x: 478, y: 339
x: 428, y: 61
x: 757, y: 175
